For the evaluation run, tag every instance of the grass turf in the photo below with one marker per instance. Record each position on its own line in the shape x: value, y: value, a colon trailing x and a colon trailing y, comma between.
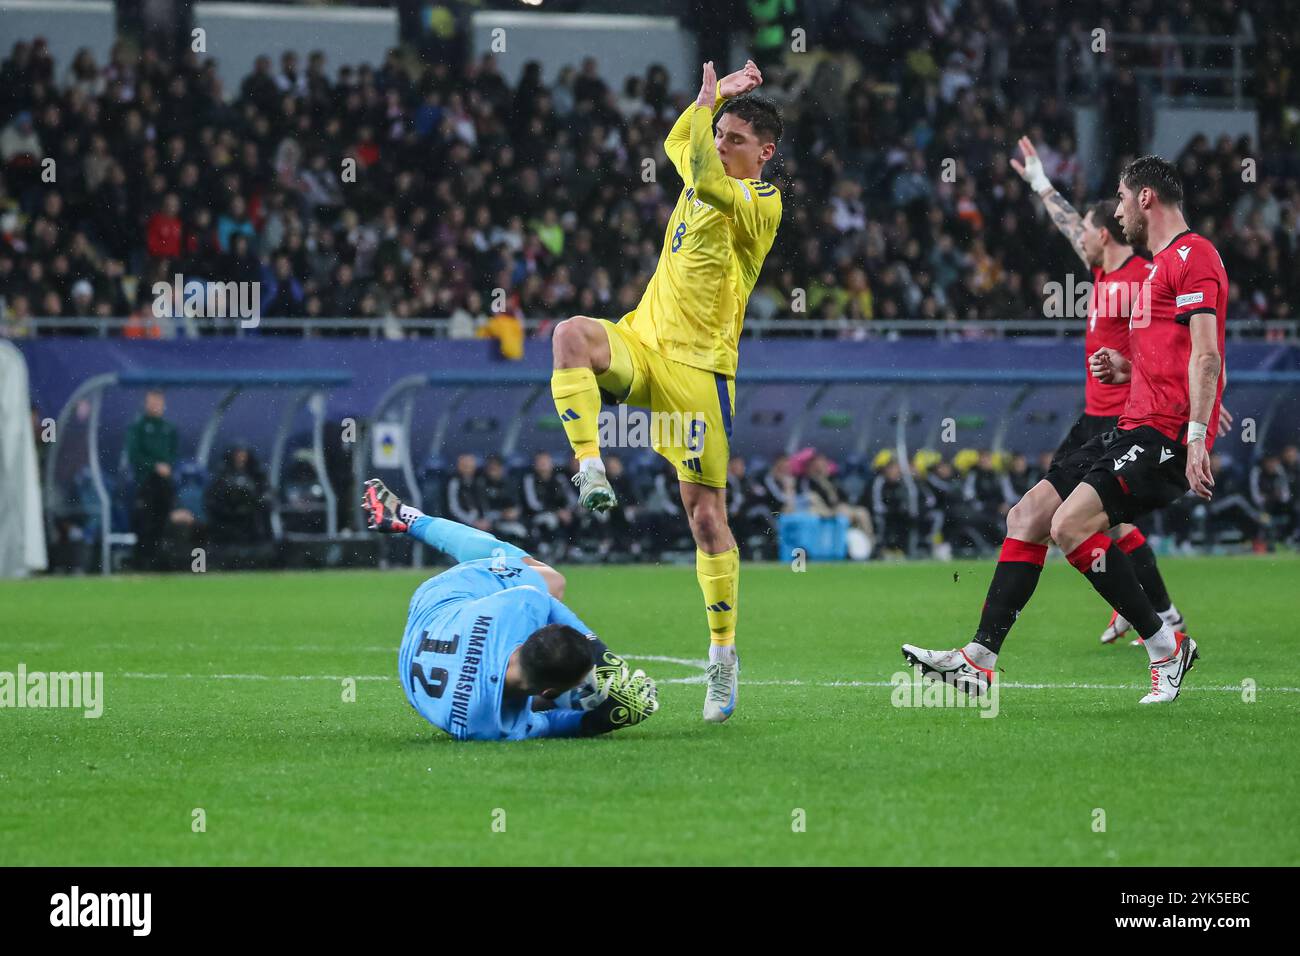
x: 286, y: 772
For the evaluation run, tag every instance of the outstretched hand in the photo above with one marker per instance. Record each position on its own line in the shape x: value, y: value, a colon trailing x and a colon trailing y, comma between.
x: 1031, y: 170
x: 742, y: 81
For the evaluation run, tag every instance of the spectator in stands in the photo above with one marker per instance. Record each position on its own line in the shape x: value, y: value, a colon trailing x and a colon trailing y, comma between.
x: 462, y: 497
x: 502, y: 507
x: 83, y: 298
x: 282, y: 293
x: 548, y: 504
x: 346, y: 300
x: 892, y: 506
x: 17, y: 318
x: 235, y: 222
x: 164, y: 230
x: 21, y: 151
x: 152, y: 445
x: 492, y: 158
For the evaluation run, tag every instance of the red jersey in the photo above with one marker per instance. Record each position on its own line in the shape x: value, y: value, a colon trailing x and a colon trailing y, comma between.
x: 1186, y: 277
x: 1113, y: 295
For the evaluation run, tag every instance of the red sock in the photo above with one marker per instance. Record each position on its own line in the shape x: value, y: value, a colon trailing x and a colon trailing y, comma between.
x: 1132, y: 541
x: 1014, y: 580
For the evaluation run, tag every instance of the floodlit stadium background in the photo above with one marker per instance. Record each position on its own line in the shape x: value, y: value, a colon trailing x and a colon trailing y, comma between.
x: 422, y: 190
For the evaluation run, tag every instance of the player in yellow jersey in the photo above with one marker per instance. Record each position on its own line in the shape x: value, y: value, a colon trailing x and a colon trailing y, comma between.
x: 676, y: 352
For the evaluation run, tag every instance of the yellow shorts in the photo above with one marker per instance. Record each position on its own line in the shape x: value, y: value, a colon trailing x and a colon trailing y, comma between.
x: 690, y: 408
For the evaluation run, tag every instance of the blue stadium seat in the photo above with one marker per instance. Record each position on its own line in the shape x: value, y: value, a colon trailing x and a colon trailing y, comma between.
x: 821, y: 539
x: 191, y: 482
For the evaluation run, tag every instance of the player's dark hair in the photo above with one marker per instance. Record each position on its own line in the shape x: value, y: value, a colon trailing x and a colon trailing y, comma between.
x: 760, y: 113
x: 1152, y: 172
x: 555, y: 657
x: 1103, y: 214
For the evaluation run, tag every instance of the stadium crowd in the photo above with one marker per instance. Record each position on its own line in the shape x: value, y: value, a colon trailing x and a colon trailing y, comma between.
x: 466, y: 184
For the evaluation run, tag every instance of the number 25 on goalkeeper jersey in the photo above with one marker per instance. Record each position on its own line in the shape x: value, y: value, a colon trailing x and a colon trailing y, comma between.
x: 714, y: 246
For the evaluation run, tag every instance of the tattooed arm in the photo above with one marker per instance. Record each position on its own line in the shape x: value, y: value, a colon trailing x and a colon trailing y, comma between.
x: 1067, y: 220
x: 1064, y: 216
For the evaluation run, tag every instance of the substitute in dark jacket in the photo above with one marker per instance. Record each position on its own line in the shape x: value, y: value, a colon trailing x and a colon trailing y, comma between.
x: 151, y: 449
x: 499, y: 496
x: 548, y: 502
x: 235, y: 503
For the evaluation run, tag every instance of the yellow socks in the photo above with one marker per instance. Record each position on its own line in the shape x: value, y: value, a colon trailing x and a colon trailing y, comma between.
x: 577, y: 401
x: 719, y: 577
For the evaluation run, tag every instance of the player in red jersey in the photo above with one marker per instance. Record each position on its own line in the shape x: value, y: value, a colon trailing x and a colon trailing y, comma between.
x: 1118, y: 272
x: 1159, y: 448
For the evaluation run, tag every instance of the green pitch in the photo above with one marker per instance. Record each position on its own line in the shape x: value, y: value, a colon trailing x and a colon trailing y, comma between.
x: 226, y: 694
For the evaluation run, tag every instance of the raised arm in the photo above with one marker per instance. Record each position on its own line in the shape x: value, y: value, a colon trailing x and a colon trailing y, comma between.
x: 1065, y: 217
x: 678, y: 143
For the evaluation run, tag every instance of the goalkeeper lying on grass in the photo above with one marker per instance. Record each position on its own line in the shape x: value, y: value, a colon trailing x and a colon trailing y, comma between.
x: 489, y: 651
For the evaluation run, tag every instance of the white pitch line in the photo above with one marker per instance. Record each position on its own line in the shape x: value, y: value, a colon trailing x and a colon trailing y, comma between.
x: 1235, y: 688
x: 1228, y: 688
x: 685, y: 661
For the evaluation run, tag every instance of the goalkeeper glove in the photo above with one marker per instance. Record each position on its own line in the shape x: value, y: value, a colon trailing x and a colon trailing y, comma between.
x: 622, y: 697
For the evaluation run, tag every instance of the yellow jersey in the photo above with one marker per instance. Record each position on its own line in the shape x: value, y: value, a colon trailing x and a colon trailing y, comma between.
x: 714, y: 246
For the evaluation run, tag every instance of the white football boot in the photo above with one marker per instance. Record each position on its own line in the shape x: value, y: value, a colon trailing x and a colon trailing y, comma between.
x: 1119, y: 625
x: 952, y: 667
x: 594, y: 490
x: 1167, y: 675
x: 722, y: 679
x: 1117, y: 628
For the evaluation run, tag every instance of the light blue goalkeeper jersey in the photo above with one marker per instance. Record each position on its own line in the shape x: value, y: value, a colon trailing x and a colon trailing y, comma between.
x: 462, y: 628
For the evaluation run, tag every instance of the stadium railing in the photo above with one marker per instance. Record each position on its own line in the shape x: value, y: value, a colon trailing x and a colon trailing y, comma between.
x: 1277, y: 330
x: 1143, y: 44
x: 309, y: 390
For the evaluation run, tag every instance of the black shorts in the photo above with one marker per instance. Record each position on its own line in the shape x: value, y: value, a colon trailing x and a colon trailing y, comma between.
x: 1134, y: 471
x: 1086, y: 427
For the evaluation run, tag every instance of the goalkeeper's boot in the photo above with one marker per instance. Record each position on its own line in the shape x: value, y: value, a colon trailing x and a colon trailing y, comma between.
x: 952, y: 667
x: 1167, y: 675
x: 382, y: 508
x: 594, y: 490
x: 722, y: 679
